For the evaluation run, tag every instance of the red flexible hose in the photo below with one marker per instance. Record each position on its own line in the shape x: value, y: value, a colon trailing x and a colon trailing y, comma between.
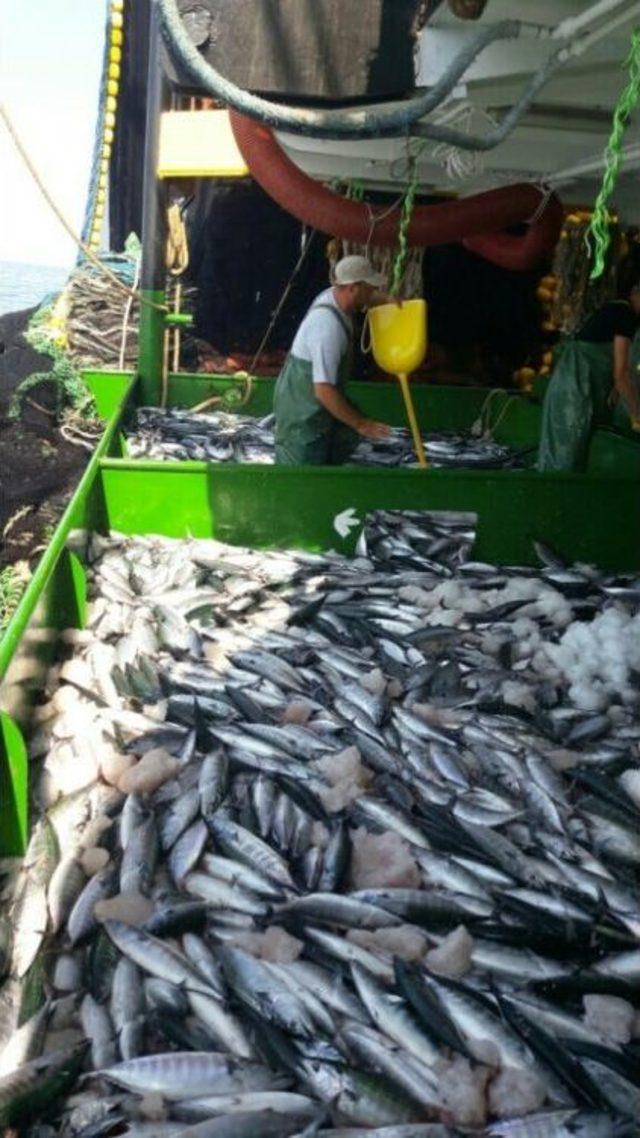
x: 477, y: 221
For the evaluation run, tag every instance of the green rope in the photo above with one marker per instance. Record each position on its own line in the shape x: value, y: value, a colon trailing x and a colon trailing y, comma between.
x: 598, y: 232
x: 355, y: 190
x: 70, y: 389
x: 406, y: 213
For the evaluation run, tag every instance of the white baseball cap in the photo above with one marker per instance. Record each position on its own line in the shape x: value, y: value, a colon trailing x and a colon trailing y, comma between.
x: 357, y: 270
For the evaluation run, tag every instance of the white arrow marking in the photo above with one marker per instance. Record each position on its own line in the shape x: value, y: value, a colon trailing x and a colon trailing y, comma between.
x: 344, y: 522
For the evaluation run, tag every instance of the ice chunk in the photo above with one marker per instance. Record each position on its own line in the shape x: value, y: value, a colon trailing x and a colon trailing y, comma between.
x: 462, y: 1091
x: 151, y: 1107
x: 562, y: 759
x: 66, y: 770
x: 132, y: 908
x: 612, y: 1017
x: 452, y: 957
x: 598, y: 659
x: 348, y: 778
x: 275, y: 944
x: 379, y: 860
x: 154, y: 768
x: 416, y: 596
x: 514, y: 1092
x: 93, y: 860
x: 518, y: 695
x: 297, y: 711
x: 374, y: 681
x: 405, y: 941
x: 114, y: 764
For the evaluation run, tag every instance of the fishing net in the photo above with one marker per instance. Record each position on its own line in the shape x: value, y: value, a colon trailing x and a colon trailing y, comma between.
x: 382, y: 260
x: 578, y: 292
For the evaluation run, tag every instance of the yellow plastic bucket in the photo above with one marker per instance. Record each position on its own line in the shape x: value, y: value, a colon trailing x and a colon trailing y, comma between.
x: 399, y: 336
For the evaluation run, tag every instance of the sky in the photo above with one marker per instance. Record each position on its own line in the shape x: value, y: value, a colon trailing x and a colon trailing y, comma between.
x: 50, y: 67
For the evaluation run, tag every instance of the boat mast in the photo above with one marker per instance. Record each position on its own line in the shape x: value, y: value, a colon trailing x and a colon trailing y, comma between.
x: 154, y: 215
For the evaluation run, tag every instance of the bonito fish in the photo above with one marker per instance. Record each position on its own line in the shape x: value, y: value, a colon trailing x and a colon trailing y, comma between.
x: 334, y: 847
x: 223, y: 437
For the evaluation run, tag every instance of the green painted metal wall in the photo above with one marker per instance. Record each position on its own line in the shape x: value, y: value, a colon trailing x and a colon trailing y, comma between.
x: 513, y: 418
x: 585, y: 518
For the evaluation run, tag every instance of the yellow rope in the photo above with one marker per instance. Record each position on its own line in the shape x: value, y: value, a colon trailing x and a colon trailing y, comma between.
x: 177, y: 244
x: 177, y: 262
x: 89, y: 254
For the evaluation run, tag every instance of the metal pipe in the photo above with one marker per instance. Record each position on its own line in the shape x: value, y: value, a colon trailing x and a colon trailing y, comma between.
x: 630, y: 153
x: 508, y: 123
x: 152, y: 277
x: 573, y: 24
x: 463, y: 141
x: 580, y: 46
x: 380, y: 120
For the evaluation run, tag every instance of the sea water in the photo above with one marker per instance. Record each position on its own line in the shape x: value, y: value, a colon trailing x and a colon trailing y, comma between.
x: 23, y: 285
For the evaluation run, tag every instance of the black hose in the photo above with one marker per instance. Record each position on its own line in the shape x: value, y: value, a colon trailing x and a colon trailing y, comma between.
x: 380, y: 120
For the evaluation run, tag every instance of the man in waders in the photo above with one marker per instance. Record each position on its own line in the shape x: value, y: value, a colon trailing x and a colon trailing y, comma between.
x: 592, y: 372
x: 315, y: 423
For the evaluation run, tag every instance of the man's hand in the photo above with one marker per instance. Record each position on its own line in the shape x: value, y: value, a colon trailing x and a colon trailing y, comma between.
x: 370, y: 429
x: 337, y: 405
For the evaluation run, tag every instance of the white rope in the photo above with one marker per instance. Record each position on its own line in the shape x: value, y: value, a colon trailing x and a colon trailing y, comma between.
x: 461, y: 164
x: 545, y: 193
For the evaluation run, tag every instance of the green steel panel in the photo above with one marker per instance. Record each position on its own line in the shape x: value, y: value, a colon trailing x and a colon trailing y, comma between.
x: 55, y: 598
x: 445, y: 408
x: 108, y: 389
x: 14, y: 768
x: 66, y: 601
x: 583, y: 517
x: 151, y: 337
x: 511, y: 417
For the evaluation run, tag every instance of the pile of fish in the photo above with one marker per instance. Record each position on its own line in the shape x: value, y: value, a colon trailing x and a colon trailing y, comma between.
x: 325, y: 847
x: 223, y: 437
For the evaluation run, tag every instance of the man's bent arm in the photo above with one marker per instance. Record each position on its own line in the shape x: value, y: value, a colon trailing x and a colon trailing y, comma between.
x: 337, y: 405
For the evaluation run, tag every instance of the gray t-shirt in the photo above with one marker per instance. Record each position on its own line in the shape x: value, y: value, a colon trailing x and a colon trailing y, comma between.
x: 322, y: 339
